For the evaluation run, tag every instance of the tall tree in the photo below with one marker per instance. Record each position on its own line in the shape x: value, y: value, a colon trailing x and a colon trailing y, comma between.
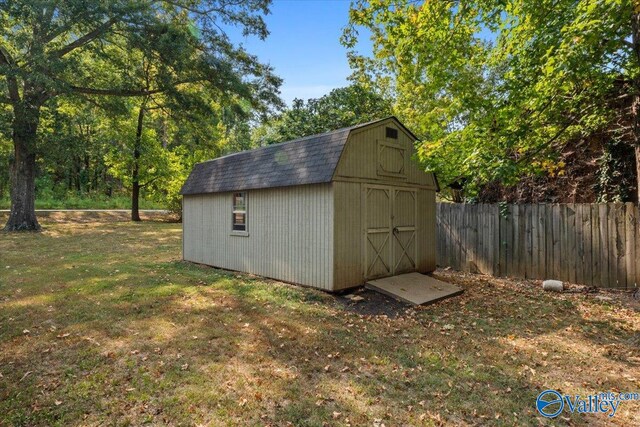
x: 342, y: 107
x: 48, y: 47
x: 495, y: 87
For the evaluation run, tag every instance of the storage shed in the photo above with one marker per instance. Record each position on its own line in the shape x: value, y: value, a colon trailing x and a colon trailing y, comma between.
x: 328, y: 211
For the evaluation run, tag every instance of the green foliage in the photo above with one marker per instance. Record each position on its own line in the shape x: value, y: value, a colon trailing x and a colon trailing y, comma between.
x: 495, y: 88
x: 341, y: 107
x: 81, y: 72
x: 72, y: 200
x: 5, y: 156
x: 95, y: 49
x: 615, y: 179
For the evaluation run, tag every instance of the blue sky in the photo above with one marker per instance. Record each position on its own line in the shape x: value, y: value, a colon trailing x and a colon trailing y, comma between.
x: 304, y: 46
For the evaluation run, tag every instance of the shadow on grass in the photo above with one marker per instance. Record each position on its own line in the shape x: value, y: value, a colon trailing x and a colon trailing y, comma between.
x: 115, y: 333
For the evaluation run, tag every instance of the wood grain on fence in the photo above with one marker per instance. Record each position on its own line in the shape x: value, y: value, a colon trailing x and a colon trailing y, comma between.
x: 590, y: 244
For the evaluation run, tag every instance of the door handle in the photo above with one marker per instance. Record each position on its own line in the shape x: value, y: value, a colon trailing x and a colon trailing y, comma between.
x: 395, y: 230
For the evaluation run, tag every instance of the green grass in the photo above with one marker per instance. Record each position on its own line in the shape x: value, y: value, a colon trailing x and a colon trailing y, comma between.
x: 102, y: 323
x: 85, y: 202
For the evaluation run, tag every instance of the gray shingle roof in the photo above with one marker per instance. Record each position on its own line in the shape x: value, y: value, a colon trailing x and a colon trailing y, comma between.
x: 309, y: 160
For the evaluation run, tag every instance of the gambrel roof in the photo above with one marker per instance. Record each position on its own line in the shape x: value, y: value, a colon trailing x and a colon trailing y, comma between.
x: 309, y: 160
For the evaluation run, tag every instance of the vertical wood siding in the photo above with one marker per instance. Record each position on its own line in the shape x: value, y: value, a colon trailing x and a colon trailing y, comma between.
x: 426, y: 230
x: 360, y: 158
x: 290, y: 234
x: 313, y: 235
x: 349, y: 233
x: 359, y: 166
x: 590, y: 244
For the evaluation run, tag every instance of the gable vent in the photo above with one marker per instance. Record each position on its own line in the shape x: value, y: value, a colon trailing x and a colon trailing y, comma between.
x: 391, y: 133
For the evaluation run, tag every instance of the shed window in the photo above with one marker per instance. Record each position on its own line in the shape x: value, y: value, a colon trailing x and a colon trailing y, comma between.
x: 239, y: 217
x: 391, y: 133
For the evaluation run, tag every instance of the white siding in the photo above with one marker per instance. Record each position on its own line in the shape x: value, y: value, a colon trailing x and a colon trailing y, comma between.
x: 290, y: 234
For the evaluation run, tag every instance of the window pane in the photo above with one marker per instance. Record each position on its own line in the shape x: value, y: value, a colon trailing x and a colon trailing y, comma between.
x: 238, y: 201
x: 239, y: 212
x: 239, y: 218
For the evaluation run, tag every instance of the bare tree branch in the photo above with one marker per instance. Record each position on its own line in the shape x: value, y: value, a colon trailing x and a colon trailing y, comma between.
x: 12, y: 83
x: 116, y: 92
x: 546, y: 144
x: 87, y: 38
x: 132, y: 92
x: 627, y: 43
x: 149, y: 182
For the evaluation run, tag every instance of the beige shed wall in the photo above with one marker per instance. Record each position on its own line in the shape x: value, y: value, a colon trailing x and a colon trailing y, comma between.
x: 348, y: 238
x: 360, y: 166
x: 427, y: 230
x: 349, y: 233
x: 290, y: 233
x: 362, y: 156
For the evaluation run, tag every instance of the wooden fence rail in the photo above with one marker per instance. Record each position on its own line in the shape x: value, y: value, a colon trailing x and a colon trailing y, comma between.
x: 589, y: 244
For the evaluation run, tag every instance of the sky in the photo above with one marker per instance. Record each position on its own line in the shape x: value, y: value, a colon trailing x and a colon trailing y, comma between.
x: 304, y: 46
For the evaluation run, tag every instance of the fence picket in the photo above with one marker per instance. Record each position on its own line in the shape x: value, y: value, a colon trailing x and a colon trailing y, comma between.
x: 621, y: 244
x: 613, y: 247
x: 587, y: 244
x: 557, y: 240
x: 495, y: 226
x: 571, y: 242
x: 548, y: 251
x: 535, y: 241
x: 504, y: 244
x: 590, y: 244
x: 596, y: 253
x: 630, y: 249
x: 511, y: 255
x: 579, y: 242
x: 439, y: 235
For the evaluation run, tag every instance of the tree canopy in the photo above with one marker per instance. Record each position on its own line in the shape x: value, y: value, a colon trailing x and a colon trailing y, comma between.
x: 123, y: 49
x: 496, y: 88
x: 342, y: 107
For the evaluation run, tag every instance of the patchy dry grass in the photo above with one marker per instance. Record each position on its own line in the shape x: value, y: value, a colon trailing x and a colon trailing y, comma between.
x: 101, y: 323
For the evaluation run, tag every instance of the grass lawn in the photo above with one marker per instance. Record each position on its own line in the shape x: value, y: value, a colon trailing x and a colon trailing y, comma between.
x: 102, y: 323
x: 85, y: 202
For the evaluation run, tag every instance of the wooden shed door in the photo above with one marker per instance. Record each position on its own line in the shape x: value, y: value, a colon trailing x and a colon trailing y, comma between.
x: 377, y: 214
x: 390, y: 231
x: 404, y: 217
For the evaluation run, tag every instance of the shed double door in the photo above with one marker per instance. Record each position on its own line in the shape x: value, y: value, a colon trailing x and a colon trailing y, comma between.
x: 390, y: 232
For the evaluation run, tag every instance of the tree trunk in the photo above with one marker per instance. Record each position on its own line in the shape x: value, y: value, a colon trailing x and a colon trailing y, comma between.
x: 637, y: 148
x: 135, y: 197
x: 23, y: 169
x: 135, y: 175
x: 635, y: 108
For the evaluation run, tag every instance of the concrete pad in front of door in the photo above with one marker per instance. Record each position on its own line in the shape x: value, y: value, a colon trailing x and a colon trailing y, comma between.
x: 414, y: 288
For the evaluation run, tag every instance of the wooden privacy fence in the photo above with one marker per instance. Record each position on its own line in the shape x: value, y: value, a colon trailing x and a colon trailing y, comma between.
x: 589, y: 244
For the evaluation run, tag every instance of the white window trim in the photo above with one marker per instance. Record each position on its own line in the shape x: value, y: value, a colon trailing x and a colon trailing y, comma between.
x: 245, y: 232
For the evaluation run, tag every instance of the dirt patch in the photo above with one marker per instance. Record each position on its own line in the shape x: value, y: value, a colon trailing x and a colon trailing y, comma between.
x: 370, y: 303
